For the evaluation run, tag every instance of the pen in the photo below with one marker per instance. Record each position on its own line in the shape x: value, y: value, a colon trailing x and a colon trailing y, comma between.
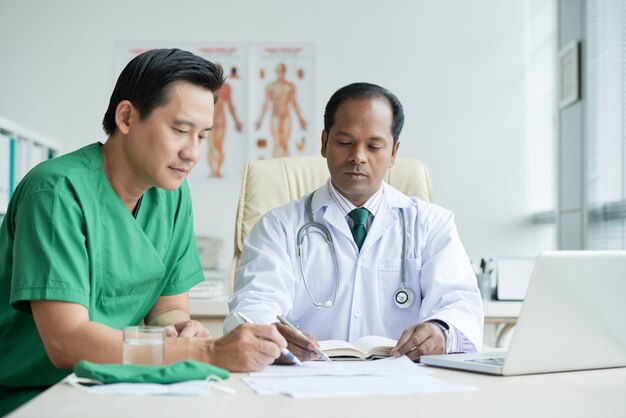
x: 319, y: 352
x: 286, y: 352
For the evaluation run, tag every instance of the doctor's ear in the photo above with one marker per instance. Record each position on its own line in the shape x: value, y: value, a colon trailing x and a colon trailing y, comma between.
x: 123, y: 114
x: 394, y: 151
x: 324, y: 143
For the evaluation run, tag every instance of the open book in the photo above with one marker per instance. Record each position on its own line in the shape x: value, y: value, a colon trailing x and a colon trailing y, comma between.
x: 365, y: 348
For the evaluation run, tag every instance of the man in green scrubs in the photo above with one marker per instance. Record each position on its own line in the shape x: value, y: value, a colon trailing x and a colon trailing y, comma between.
x: 102, y: 238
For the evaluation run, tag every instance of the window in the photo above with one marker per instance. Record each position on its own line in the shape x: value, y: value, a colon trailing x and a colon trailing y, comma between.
x: 541, y: 131
x: 606, y: 124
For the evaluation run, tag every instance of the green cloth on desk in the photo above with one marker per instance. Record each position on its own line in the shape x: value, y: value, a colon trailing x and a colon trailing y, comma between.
x: 67, y: 236
x: 133, y: 373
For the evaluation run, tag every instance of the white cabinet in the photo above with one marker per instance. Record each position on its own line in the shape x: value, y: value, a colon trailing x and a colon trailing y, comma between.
x: 20, y: 150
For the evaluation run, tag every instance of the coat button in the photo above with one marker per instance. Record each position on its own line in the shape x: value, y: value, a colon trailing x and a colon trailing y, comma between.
x: 357, y: 313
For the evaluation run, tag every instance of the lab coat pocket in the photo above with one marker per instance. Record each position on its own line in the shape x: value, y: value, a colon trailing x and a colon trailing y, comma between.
x: 389, y: 282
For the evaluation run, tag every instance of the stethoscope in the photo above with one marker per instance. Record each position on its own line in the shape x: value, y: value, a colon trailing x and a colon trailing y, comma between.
x: 403, y: 297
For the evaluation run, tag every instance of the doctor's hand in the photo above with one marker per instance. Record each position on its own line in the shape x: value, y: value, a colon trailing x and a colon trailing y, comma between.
x: 301, y: 346
x: 248, y: 348
x: 420, y: 340
x: 189, y: 328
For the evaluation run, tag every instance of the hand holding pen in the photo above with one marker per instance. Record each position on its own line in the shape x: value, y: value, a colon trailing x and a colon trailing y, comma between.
x: 290, y: 356
x: 309, y: 344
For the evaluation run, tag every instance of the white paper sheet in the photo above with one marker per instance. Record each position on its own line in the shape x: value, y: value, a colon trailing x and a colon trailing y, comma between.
x: 307, y: 387
x: 359, y: 378
x: 384, y: 367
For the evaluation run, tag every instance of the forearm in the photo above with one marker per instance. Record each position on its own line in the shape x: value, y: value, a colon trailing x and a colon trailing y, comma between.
x: 296, y: 109
x: 88, y: 341
x: 233, y: 113
x: 170, y: 317
x: 99, y: 344
x: 169, y: 310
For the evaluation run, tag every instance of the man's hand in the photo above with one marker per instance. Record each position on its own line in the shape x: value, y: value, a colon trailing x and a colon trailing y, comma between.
x: 247, y: 348
x: 301, y: 347
x: 420, y: 340
x: 189, y: 328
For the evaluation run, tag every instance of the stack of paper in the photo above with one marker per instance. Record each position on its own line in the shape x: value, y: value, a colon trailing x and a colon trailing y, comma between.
x: 391, y: 376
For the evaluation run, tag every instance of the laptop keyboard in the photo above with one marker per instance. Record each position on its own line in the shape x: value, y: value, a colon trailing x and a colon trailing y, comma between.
x: 495, y: 361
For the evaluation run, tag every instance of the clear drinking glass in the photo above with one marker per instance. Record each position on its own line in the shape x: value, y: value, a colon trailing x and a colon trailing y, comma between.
x: 144, y: 345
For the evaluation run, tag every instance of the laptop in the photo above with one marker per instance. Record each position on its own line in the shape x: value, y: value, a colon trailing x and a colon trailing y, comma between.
x: 573, y: 318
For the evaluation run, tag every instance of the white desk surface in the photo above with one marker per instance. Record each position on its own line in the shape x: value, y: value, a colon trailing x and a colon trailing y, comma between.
x: 594, y: 393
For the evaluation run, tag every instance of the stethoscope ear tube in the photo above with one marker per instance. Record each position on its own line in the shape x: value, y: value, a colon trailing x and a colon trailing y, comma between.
x: 404, y: 297
x: 320, y: 229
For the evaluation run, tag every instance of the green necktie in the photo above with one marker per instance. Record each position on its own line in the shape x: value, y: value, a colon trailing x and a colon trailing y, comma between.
x: 359, y: 216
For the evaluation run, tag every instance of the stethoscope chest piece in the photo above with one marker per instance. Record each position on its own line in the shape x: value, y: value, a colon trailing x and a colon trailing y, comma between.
x: 403, y: 297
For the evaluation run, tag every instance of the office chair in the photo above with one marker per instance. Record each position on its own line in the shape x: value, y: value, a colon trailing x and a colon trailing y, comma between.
x: 268, y: 184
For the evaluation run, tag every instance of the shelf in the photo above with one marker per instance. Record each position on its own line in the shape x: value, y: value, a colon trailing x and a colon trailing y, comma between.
x: 209, y: 299
x: 208, y: 308
x: 20, y: 150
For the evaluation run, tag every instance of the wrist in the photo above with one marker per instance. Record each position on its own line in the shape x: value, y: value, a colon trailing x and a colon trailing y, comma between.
x: 445, y: 330
x: 186, y: 348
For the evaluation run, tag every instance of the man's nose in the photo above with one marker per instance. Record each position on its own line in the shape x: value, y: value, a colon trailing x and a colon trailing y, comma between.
x: 192, y: 150
x: 358, y: 155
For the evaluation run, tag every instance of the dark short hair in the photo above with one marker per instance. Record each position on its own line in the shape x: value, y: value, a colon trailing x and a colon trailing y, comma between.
x: 145, y: 81
x: 365, y: 91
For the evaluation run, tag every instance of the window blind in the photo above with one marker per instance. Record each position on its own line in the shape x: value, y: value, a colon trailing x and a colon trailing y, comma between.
x: 606, y: 124
x: 541, y: 134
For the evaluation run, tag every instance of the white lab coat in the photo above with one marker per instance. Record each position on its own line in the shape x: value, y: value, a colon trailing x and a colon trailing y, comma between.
x: 269, y: 281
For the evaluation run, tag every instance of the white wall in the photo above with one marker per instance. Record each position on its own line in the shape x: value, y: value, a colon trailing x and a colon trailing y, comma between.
x: 456, y: 65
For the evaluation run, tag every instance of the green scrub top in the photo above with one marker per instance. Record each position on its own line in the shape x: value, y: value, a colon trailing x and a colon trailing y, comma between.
x: 67, y: 236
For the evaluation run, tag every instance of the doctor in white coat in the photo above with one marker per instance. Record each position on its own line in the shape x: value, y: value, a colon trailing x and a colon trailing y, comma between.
x: 409, y: 280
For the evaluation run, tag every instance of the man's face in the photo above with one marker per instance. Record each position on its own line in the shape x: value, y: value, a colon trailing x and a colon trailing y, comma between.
x: 163, y: 148
x: 359, y: 147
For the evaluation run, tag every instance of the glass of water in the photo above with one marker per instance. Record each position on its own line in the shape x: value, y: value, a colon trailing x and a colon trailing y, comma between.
x: 144, y: 345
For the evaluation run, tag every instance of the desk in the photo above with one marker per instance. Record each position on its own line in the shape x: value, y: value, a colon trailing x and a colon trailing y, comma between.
x: 593, y: 393
x: 500, y: 318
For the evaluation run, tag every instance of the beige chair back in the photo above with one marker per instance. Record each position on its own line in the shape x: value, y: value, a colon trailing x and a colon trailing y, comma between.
x: 268, y: 184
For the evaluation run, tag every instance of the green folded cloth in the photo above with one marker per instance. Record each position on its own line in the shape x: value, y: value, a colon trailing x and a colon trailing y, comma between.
x: 135, y: 373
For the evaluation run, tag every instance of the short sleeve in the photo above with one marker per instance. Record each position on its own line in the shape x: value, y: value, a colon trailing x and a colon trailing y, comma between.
x: 50, y: 260
x: 182, y: 263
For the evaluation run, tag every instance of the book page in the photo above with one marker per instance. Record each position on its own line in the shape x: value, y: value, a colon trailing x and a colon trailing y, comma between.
x: 373, y: 345
x: 364, y: 347
x: 335, y: 348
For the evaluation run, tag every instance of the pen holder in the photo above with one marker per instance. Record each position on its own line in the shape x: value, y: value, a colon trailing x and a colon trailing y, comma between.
x: 484, y: 285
